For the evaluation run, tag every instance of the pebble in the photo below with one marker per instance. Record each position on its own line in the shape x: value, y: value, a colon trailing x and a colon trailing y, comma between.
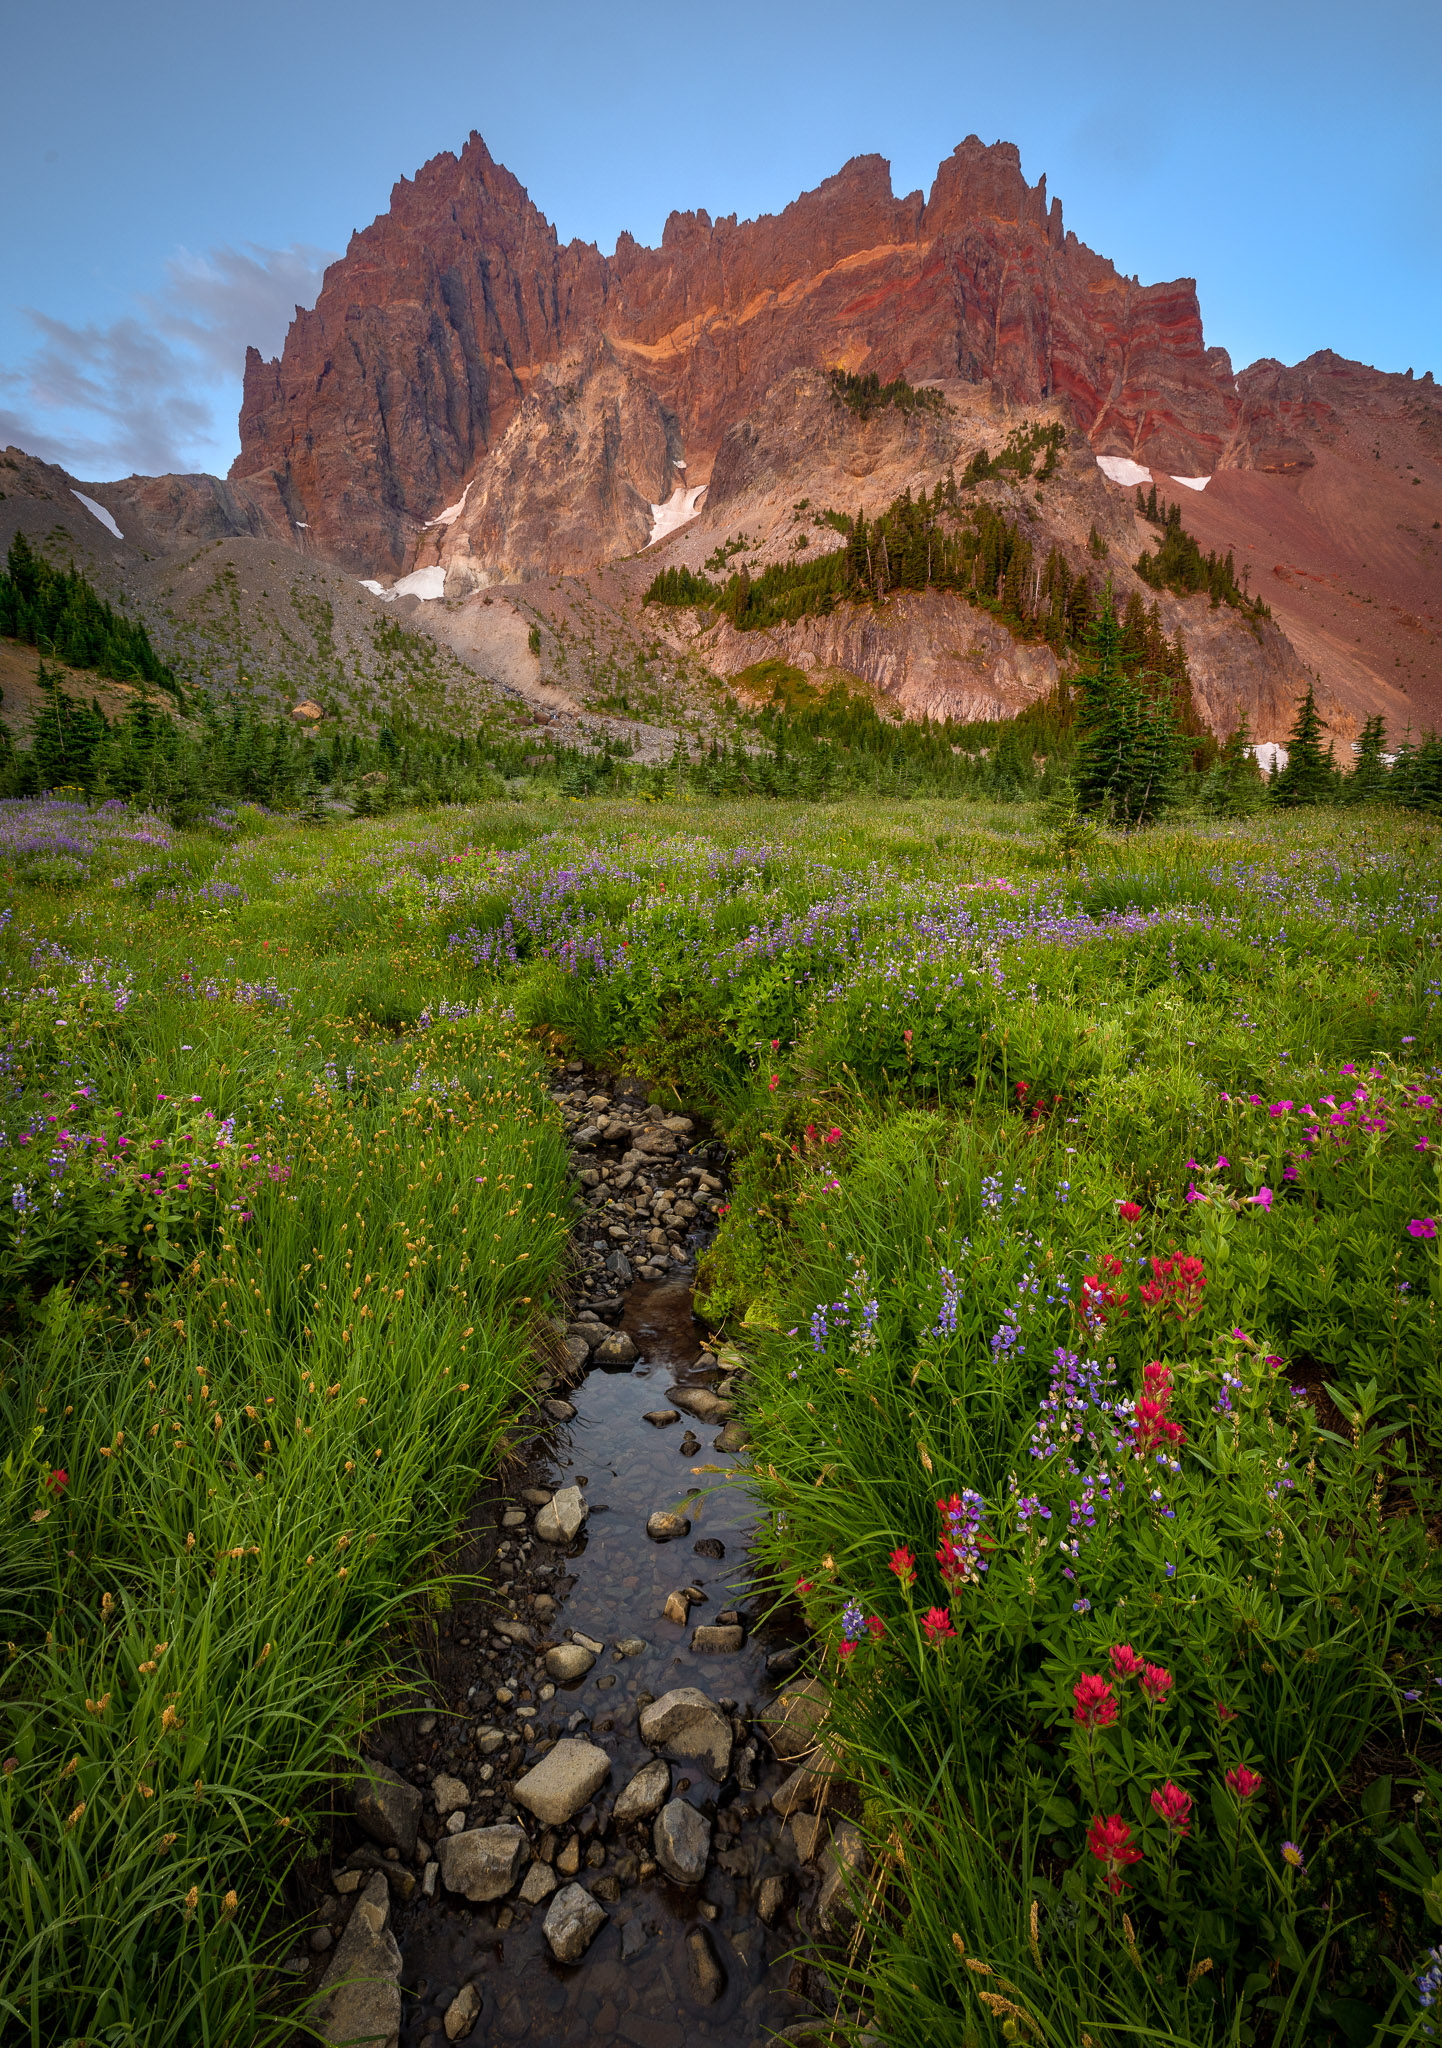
x: 659, y: 1418
x: 682, y: 1840
x: 559, y: 1521
x: 483, y: 1863
x: 664, y: 1527
x: 617, y: 1348
x: 568, y: 1662
x: 462, y: 2013
x: 707, y: 1978
x: 645, y: 1795
x: 717, y: 1641
x: 573, y: 1919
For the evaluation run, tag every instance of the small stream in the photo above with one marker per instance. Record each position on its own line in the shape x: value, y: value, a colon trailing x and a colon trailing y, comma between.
x: 713, y: 1961
x: 672, y: 1963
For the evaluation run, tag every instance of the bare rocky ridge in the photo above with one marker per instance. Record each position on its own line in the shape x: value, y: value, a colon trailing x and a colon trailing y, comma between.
x: 472, y: 397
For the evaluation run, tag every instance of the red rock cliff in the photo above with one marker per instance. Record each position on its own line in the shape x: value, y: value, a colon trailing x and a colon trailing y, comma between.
x: 429, y: 331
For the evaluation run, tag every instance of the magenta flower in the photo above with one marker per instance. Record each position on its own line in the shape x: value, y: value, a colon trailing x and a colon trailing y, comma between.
x: 1422, y: 1226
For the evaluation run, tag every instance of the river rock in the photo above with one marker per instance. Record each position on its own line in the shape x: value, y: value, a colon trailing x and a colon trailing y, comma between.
x: 630, y: 1646
x: 700, y: 1402
x: 843, y: 1864
x: 659, y: 1418
x: 688, y: 1727
x: 572, y: 1922
x: 568, y: 1662
x: 450, y: 1794
x: 645, y: 1795
x: 360, y: 1994
x: 708, y: 1980
x: 682, y: 1839
x: 563, y: 1782
x: 482, y: 1863
x: 387, y: 1807
x: 677, y: 1608
x: 717, y: 1642
x: 732, y: 1438
x: 771, y: 1898
x: 664, y: 1527
x: 709, y: 1546
x: 806, y: 1831
x: 618, y: 1348
x: 537, y: 1884
x: 462, y: 2012
x: 794, y: 1723
x: 802, y: 1788
x: 559, y: 1521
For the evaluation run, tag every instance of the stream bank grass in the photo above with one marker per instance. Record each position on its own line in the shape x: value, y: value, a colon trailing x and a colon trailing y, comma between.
x: 257, y: 1357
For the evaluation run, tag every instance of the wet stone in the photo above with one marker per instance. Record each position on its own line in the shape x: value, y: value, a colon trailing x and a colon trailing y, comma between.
x: 483, y: 1863
x: 617, y: 1348
x: 771, y: 1899
x: 660, y: 1418
x: 561, y: 1518
x: 703, y: 1967
x: 538, y: 1883
x: 682, y: 1840
x: 573, y: 1920
x: 462, y: 2013
x: 387, y: 1807
x: 449, y: 1794
x: 568, y: 1662
x: 564, y: 1781
x: 709, y: 1546
x: 645, y: 1795
x: 717, y: 1642
x: 688, y: 1727
x: 665, y: 1527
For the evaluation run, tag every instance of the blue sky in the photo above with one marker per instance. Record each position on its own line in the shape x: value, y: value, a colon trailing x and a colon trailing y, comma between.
x: 174, y: 176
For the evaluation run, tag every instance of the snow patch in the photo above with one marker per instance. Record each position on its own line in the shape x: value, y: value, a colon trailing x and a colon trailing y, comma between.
x: 1269, y: 755
x: 425, y: 583
x: 681, y: 507
x: 452, y: 512
x: 1122, y: 470
x: 1192, y: 483
x: 107, y: 519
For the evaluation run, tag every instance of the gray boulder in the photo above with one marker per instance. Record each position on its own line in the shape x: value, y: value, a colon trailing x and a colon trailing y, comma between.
x: 717, y: 1641
x: 559, y: 1521
x: 573, y: 1919
x: 689, y: 1728
x: 462, y: 2012
x: 360, y: 1994
x: 537, y: 1884
x: 645, y: 1795
x: 617, y: 1349
x: 387, y: 1807
x: 568, y: 1662
x: 842, y: 1868
x: 682, y: 1838
x: 482, y: 1863
x: 563, y: 1782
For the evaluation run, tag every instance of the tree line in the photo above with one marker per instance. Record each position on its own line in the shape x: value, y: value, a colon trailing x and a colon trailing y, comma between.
x: 58, y: 611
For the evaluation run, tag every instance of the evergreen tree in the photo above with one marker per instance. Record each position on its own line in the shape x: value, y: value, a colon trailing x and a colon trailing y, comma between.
x: 1127, y: 762
x: 1234, y: 788
x: 1309, y: 776
x: 1368, y: 781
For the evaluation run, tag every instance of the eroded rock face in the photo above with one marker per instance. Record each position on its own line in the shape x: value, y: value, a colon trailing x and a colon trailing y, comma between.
x: 439, y: 327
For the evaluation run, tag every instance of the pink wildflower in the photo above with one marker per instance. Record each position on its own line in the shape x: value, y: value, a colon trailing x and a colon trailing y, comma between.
x: 1110, y: 1841
x: 1125, y: 1661
x: 1096, y: 1705
x: 1175, y: 1808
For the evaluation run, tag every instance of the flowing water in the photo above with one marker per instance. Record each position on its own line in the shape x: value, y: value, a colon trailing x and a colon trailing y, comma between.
x: 672, y: 1964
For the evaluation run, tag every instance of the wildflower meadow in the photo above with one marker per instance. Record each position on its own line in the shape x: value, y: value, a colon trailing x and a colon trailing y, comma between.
x: 1083, y: 1253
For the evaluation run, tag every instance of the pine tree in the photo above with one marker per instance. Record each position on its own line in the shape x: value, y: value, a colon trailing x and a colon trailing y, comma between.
x: 1309, y: 776
x: 1368, y: 781
x: 1234, y: 788
x: 1127, y: 763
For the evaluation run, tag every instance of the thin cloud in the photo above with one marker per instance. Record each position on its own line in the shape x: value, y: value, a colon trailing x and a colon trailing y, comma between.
x: 159, y: 389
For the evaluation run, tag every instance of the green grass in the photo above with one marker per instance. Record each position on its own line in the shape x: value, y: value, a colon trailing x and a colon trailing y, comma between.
x: 945, y: 1065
